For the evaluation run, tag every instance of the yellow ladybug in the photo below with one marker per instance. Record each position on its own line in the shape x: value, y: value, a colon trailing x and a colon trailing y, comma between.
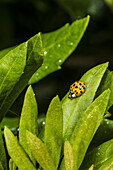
x: 76, y: 89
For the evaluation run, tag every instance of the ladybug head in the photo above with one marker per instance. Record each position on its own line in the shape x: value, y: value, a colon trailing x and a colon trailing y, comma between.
x: 71, y: 94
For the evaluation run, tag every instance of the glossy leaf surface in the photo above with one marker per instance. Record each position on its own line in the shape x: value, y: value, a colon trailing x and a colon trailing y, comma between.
x: 103, y: 134
x: 29, y: 59
x: 99, y: 155
x: 58, y: 45
x: 11, y: 69
x: 40, y: 152
x: 107, y: 82
x: 28, y: 120
x: 108, y: 165
x: 16, y: 152
x: 72, y: 109
x: 54, y: 130
x: 87, y: 126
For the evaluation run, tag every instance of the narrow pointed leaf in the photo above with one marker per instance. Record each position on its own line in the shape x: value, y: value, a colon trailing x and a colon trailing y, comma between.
x: 3, y: 159
x: 72, y: 109
x: 106, y: 82
x: 103, y: 134
x: 87, y: 126
x: 68, y: 156
x: 54, y: 129
x: 91, y: 168
x: 99, y: 155
x: 28, y: 120
x: 33, y: 61
x: 12, y: 165
x: 58, y: 45
x: 40, y: 152
x: 16, y: 152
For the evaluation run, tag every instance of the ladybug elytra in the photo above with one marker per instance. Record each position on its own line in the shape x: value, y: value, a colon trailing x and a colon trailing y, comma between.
x: 76, y: 89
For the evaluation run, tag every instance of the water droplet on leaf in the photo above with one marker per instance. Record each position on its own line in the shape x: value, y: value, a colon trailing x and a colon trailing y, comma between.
x: 107, y: 123
x: 71, y: 43
x: 45, y: 52
x: 43, y: 122
x: 59, y: 61
x: 46, y: 67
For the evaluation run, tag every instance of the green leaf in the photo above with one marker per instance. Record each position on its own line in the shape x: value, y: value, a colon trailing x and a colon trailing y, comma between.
x: 107, y: 82
x: 99, y: 155
x: 108, y: 165
x: 12, y: 165
x: 10, y: 122
x: 1, y: 167
x: 5, y: 51
x: 87, y: 126
x: 16, y: 152
x: 58, y: 45
x: 28, y: 120
x: 54, y: 129
x: 72, y: 109
x: 32, y: 63
x: 11, y: 69
x: 40, y: 152
x: 103, y: 134
x: 68, y: 156
x: 3, y: 159
x: 91, y: 168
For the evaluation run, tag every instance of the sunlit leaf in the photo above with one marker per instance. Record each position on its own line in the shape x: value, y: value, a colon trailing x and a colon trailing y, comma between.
x: 16, y: 152
x: 68, y: 156
x: 58, y: 45
x: 54, y: 130
x: 40, y: 152
x: 73, y: 109
x: 99, y: 155
x: 16, y: 69
x: 87, y: 126
x: 28, y: 120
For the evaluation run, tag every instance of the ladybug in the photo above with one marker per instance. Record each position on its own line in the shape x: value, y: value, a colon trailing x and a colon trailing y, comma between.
x: 76, y: 89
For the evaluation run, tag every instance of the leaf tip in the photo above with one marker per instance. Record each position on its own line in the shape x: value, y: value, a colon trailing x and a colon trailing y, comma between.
x: 5, y: 128
x: 88, y: 16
